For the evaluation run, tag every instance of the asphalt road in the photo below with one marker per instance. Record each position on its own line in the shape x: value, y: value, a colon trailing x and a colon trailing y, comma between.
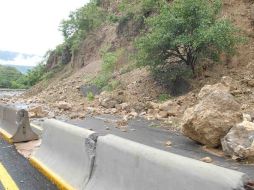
x: 17, y: 174
x: 150, y: 134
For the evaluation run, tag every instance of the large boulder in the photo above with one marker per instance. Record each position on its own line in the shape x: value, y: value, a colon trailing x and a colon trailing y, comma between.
x: 170, y: 107
x: 208, y: 89
x: 37, y: 112
x: 239, y: 142
x: 111, y: 100
x: 211, y: 119
x: 63, y: 105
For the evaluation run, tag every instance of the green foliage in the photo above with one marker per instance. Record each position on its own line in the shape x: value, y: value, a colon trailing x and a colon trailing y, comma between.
x: 101, y: 80
x: 128, y: 68
x: 9, y: 77
x: 185, y: 32
x: 108, y: 66
x: 133, y: 14
x: 163, y: 97
x: 109, y: 61
x: 59, y: 49
x: 90, y: 96
x: 32, y: 77
x: 139, y: 7
x: 112, y: 18
x: 80, y: 23
x: 112, y: 85
x: 35, y: 75
x: 50, y: 74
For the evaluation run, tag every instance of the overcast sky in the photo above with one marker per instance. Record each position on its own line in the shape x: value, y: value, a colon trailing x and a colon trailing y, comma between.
x: 31, y: 26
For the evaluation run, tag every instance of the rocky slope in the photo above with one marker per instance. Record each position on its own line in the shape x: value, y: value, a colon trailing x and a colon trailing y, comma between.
x: 138, y: 94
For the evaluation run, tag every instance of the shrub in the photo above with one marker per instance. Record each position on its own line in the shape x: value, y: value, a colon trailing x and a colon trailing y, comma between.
x: 108, y: 66
x: 34, y: 75
x: 163, y: 97
x: 186, y: 31
x: 90, y: 96
x: 112, y: 85
x: 101, y: 80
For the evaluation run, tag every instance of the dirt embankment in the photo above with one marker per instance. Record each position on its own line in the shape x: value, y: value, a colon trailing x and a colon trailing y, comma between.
x: 138, y: 90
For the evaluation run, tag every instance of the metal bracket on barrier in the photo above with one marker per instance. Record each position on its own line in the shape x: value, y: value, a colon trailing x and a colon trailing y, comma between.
x: 91, y: 142
x: 21, y: 120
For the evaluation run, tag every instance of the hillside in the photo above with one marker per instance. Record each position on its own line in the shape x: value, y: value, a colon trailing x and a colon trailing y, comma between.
x: 85, y: 62
x: 8, y: 76
x: 96, y: 72
x: 22, y: 68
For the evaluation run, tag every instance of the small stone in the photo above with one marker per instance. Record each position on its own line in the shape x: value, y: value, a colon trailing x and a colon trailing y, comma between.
x: 246, y: 117
x: 64, y: 105
x: 121, y: 123
x: 163, y: 114
x: 206, y: 159
x: 168, y: 143
x: 107, y: 128
x: 74, y: 116
x: 124, y: 106
x: 134, y: 114
x: 81, y: 116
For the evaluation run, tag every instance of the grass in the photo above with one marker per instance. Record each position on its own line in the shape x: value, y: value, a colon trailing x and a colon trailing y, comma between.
x: 163, y: 97
x: 90, y: 96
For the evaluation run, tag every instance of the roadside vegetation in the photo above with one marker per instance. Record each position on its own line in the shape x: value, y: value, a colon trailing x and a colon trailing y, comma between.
x: 183, y: 35
x: 176, y: 38
x: 104, y: 79
x: 9, y: 76
x: 80, y: 23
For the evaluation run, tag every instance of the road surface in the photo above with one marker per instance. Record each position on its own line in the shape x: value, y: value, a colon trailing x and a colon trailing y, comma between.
x: 17, y: 174
x: 148, y: 133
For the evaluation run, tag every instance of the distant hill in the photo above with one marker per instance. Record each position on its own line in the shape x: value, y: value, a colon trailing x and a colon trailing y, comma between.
x: 22, y: 68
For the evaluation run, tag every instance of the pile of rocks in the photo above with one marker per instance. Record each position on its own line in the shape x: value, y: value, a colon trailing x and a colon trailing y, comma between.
x: 217, y: 120
x: 116, y: 103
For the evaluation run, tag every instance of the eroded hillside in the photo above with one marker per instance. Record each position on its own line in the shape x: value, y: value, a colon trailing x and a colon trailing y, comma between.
x: 132, y: 91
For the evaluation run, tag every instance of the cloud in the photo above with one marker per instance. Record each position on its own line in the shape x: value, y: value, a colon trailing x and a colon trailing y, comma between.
x: 31, y: 26
x: 22, y: 59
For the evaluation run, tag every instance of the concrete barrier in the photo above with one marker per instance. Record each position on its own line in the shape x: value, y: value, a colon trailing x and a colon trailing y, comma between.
x: 125, y: 165
x: 14, y: 125
x: 66, y: 155
x: 36, y: 128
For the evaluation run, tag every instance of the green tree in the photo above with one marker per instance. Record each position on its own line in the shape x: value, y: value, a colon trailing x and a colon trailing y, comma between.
x: 8, y: 75
x: 185, y: 32
x: 35, y: 75
x: 80, y: 23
